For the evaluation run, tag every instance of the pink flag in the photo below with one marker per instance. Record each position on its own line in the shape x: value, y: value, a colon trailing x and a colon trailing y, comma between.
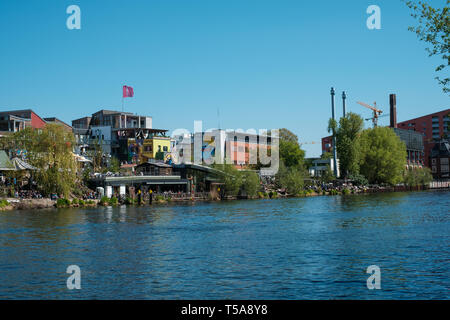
x: 128, y: 92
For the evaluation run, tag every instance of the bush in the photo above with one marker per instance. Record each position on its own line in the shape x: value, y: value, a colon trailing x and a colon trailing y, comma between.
x: 346, y: 191
x: 81, y: 202
x: 3, y: 203
x: 104, y: 201
x: 75, y: 202
x: 62, y: 203
x: 129, y: 201
x: 113, y: 201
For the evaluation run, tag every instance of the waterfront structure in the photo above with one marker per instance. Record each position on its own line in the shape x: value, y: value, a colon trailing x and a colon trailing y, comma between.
x: 440, y: 159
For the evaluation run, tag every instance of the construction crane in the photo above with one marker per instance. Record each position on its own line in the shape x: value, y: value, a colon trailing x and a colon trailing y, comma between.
x: 376, y: 112
x: 383, y: 116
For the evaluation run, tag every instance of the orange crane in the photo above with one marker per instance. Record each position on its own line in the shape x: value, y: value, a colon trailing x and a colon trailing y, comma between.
x: 376, y: 112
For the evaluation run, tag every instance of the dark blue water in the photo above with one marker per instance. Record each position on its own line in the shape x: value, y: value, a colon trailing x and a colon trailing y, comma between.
x: 313, y: 248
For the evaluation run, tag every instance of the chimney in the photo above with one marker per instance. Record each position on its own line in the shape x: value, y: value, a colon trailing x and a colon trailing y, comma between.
x: 393, y: 110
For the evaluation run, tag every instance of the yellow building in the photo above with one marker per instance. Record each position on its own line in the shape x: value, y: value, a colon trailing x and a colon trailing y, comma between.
x: 152, y: 148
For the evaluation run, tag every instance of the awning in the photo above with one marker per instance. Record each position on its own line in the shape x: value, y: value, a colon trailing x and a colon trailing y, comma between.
x: 5, y: 163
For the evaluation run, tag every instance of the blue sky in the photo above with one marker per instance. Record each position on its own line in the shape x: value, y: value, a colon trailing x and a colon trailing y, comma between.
x: 263, y: 64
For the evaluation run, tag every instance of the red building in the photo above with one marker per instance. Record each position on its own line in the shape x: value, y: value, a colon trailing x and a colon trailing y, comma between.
x: 16, y: 120
x: 327, y: 144
x: 433, y: 128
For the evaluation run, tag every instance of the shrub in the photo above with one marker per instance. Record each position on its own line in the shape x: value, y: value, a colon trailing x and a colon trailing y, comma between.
x: 3, y: 203
x: 104, y: 201
x: 81, y: 202
x: 75, y: 201
x: 113, y: 201
x: 62, y: 203
x: 345, y: 191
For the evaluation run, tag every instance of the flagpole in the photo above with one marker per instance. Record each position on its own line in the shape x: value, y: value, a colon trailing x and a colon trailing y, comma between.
x: 122, y: 98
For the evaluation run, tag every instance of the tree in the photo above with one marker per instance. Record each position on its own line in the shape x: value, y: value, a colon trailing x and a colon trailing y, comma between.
x: 96, y: 155
x: 417, y: 177
x: 290, y: 152
x: 231, y: 178
x: 49, y: 150
x: 433, y: 28
x: 383, y: 155
x: 289, y: 178
x: 250, y: 183
x: 347, y: 133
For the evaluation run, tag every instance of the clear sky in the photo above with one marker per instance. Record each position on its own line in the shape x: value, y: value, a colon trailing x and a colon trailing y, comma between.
x: 263, y: 64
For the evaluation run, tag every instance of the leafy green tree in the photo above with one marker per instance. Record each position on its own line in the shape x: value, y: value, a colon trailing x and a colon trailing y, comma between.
x: 383, y: 155
x: 417, y: 177
x: 433, y: 28
x: 250, y: 183
x: 50, y: 150
x: 289, y: 178
x: 231, y: 178
x: 95, y: 153
x: 290, y: 152
x: 347, y: 132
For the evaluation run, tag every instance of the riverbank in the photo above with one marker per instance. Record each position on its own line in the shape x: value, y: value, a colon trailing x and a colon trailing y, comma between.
x: 10, y: 204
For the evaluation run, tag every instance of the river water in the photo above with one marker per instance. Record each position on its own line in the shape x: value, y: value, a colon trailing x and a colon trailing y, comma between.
x: 309, y: 248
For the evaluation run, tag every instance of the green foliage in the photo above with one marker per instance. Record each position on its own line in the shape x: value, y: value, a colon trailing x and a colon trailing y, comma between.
x: 433, y: 28
x: 96, y: 154
x: 114, y: 165
x: 231, y: 178
x: 50, y: 150
x: 417, y: 177
x: 289, y: 178
x: 346, y: 191
x: 104, y: 201
x: 113, y: 201
x: 4, y: 203
x: 63, y: 203
x: 327, y: 175
x: 347, y: 149
x: 358, y: 179
x: 130, y: 201
x: 383, y: 155
x: 75, y: 201
x: 250, y: 183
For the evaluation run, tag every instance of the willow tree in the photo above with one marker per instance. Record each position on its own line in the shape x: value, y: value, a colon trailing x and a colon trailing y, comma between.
x: 49, y: 150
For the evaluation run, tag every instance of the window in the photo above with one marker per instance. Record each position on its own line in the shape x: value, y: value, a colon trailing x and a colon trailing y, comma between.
x: 433, y: 161
x: 444, y: 168
x: 433, y: 169
x: 444, y: 160
x: 165, y: 149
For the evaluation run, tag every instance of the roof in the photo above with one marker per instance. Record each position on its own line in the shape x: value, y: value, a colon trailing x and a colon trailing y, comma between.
x: 157, y: 164
x: 5, y: 163
x: 441, y: 148
x: 22, y: 165
x: 112, y: 112
x: 56, y: 120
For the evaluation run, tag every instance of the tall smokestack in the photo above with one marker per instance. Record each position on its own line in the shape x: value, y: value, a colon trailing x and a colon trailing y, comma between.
x: 393, y: 104
x: 344, y: 96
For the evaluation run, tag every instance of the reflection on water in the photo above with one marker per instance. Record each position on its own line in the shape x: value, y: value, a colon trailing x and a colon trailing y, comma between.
x: 312, y: 248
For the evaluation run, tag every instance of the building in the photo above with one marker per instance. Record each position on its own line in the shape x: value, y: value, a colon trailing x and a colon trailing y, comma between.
x: 327, y: 144
x: 16, y: 120
x: 320, y: 166
x: 221, y: 146
x: 433, y: 127
x: 60, y: 122
x: 124, y: 135
x: 440, y: 159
